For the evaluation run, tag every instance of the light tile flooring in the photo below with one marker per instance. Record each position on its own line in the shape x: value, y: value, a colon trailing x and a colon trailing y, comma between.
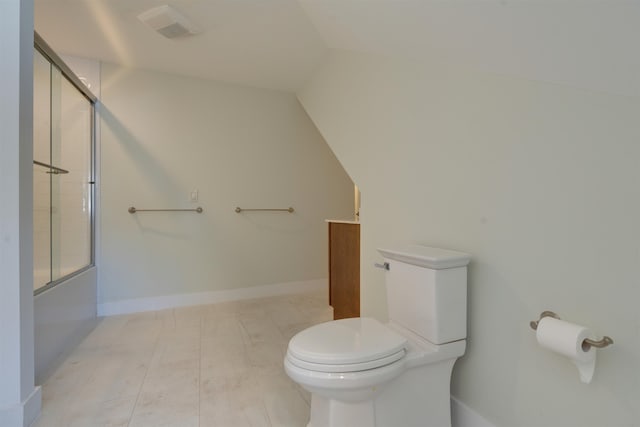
x: 215, y: 365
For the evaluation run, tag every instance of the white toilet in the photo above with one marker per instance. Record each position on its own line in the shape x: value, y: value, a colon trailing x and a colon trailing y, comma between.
x: 363, y: 373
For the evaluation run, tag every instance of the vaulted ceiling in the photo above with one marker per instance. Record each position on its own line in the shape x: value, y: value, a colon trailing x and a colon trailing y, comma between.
x: 278, y: 44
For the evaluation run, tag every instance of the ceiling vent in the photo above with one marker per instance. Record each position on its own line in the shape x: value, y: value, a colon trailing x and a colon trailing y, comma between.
x: 168, y: 22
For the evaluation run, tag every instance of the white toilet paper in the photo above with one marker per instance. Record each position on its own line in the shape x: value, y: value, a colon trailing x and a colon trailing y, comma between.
x: 566, y: 339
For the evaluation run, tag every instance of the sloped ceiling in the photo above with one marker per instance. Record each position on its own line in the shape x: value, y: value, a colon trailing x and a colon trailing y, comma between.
x: 263, y: 43
x: 279, y: 43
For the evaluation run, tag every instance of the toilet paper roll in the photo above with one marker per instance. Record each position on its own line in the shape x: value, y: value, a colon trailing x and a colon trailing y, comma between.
x: 566, y: 339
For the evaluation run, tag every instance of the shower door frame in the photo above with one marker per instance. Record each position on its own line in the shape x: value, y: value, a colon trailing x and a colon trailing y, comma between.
x: 41, y: 46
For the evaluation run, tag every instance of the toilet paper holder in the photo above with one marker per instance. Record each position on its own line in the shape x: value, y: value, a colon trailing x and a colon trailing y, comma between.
x: 586, y: 344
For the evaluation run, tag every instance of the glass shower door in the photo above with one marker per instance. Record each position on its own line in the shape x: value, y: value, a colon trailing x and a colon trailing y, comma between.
x: 63, y: 120
x: 41, y: 174
x: 71, y: 192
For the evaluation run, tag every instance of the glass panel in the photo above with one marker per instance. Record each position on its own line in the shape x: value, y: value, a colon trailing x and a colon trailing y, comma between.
x: 71, y: 192
x: 41, y: 180
x: 62, y: 154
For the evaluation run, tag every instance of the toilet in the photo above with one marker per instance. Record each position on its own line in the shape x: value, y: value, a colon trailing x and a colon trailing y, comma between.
x: 363, y: 373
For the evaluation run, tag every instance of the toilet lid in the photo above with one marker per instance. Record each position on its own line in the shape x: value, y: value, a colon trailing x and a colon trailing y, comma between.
x: 344, y: 342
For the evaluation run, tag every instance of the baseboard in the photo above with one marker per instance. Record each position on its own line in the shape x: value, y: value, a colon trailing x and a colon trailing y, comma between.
x: 24, y: 414
x: 463, y: 416
x: 184, y: 300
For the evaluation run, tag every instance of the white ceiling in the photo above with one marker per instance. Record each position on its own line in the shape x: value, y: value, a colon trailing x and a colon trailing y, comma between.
x: 264, y: 43
x: 277, y: 44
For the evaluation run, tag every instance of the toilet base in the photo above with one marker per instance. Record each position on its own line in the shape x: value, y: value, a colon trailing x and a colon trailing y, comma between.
x: 419, y: 397
x: 327, y: 412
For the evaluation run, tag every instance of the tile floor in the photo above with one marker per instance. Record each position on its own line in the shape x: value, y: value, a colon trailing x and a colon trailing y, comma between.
x: 216, y: 365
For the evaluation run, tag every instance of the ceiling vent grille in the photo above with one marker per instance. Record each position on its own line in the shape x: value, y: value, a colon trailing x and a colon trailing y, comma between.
x: 168, y: 22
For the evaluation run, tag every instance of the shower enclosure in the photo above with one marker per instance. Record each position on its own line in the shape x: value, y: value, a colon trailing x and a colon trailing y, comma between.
x: 63, y: 171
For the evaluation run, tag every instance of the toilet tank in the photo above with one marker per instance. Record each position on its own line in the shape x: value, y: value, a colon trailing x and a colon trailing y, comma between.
x: 427, y: 291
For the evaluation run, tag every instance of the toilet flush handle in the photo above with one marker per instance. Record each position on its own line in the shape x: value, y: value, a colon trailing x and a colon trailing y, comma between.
x: 384, y: 265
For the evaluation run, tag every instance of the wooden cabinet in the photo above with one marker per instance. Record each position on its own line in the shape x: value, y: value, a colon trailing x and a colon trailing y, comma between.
x: 344, y: 269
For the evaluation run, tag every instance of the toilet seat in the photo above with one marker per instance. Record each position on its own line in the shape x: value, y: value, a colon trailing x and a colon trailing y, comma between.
x: 346, y: 345
x: 346, y: 367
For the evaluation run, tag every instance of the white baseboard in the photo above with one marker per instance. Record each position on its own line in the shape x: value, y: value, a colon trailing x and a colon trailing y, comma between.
x: 183, y: 300
x: 463, y: 416
x: 24, y: 414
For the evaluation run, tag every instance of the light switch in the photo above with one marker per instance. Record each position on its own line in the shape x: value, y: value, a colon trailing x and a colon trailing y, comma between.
x: 193, y: 196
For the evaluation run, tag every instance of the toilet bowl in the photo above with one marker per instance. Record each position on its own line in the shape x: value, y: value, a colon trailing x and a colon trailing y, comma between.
x: 349, y: 357
x: 364, y: 381
x: 361, y: 372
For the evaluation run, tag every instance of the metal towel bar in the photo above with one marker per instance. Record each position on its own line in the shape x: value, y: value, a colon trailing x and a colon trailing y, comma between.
x: 52, y: 169
x: 133, y: 210
x: 289, y: 209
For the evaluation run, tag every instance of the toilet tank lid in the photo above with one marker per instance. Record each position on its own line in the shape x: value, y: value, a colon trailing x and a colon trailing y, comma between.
x: 425, y: 256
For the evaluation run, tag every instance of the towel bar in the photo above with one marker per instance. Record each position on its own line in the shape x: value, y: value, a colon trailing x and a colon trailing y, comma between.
x: 133, y: 210
x: 289, y: 209
x: 52, y: 169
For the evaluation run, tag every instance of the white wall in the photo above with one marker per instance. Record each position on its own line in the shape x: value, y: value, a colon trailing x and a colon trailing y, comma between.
x: 164, y: 136
x: 19, y: 399
x: 539, y: 182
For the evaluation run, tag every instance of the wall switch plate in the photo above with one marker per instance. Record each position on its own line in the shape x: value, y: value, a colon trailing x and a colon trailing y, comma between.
x: 193, y: 196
